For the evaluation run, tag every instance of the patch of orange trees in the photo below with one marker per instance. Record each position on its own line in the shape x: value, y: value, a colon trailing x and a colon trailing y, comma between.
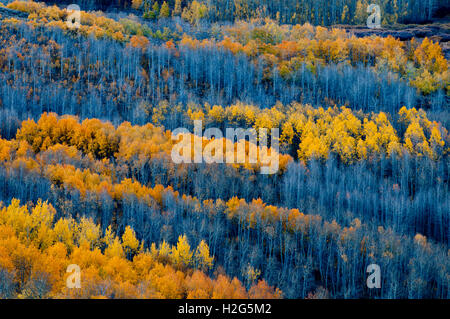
x: 35, y: 251
x: 285, y: 47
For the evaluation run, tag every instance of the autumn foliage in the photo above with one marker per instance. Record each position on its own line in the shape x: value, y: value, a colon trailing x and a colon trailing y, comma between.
x: 36, y: 249
x: 90, y: 121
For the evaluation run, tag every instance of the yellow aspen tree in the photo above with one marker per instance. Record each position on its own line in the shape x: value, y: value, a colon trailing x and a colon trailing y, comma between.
x: 115, y: 249
x: 108, y: 238
x: 202, y: 258
x: 165, y: 11
x: 436, y: 142
x: 177, y: 8
x: 164, y: 252
x: 182, y: 254
x: 89, y: 233
x: 415, y: 140
x: 64, y: 232
x: 129, y: 242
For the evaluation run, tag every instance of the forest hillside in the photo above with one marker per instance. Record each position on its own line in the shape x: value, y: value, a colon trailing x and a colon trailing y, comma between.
x: 353, y: 122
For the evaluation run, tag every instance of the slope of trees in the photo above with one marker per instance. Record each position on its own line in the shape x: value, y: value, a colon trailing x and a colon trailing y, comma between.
x: 275, y: 238
x: 319, y: 12
x: 36, y: 250
x: 86, y: 136
x: 123, y: 82
x: 322, y: 12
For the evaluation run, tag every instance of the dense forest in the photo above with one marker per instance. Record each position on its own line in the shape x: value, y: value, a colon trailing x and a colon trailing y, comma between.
x: 318, y: 12
x: 87, y: 177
